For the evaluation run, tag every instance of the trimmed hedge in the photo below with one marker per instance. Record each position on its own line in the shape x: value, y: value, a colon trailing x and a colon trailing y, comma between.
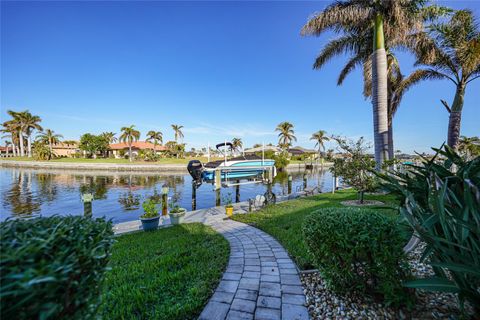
x: 359, y: 250
x: 52, y: 268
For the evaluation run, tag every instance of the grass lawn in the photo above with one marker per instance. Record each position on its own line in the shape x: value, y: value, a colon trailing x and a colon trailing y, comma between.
x: 284, y: 220
x: 110, y: 160
x: 166, y: 274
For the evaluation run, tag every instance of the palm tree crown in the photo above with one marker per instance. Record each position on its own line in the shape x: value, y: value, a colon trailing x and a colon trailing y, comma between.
x: 109, y: 136
x: 237, y: 143
x: 129, y: 135
x: 320, y: 137
x: 50, y: 138
x: 451, y: 51
x: 178, y: 131
x: 156, y: 137
x: 286, y: 134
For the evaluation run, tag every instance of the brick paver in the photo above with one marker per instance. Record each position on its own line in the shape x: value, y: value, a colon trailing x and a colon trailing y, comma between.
x: 260, y: 282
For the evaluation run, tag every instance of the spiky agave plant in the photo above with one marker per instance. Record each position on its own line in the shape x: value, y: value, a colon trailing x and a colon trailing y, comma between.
x: 441, y: 202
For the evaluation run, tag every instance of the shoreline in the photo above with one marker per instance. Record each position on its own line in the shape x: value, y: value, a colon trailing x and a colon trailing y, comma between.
x: 115, y: 166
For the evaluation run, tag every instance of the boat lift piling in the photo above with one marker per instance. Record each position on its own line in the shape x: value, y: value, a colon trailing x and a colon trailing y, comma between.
x: 194, y: 195
x: 237, y: 192
x: 305, y: 181
x: 87, y: 199
x: 289, y: 188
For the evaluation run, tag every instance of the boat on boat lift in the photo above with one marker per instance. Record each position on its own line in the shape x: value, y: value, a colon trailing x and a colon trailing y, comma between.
x: 245, y: 167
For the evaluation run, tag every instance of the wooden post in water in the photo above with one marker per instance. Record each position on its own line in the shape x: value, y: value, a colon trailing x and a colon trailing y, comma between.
x: 334, y: 184
x: 87, y: 199
x: 217, y: 198
x: 194, y: 195
x: 305, y: 181
x: 237, y: 192
x: 289, y: 184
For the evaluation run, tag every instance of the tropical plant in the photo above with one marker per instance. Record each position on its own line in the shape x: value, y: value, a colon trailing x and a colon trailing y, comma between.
x: 470, y: 147
x: 320, y: 139
x: 286, y: 135
x: 49, y: 137
x: 150, y: 209
x: 237, y: 143
x: 450, y: 50
x: 41, y: 151
x: 355, y: 167
x: 441, y: 201
x: 385, y: 23
x: 93, y: 144
x: 109, y: 136
x: 281, y: 160
x: 15, y: 126
x: 129, y: 135
x: 30, y: 123
x: 156, y: 137
x: 177, y: 129
x: 11, y: 132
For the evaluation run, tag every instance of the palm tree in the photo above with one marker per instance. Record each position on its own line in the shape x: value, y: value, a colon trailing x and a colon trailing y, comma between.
x: 30, y: 123
x: 109, y: 136
x: 10, y: 128
x: 178, y: 131
x: 156, y: 137
x: 286, y: 135
x: 361, y: 23
x: 450, y: 51
x: 237, y: 143
x: 320, y: 138
x: 129, y: 135
x: 17, y: 125
x: 49, y: 137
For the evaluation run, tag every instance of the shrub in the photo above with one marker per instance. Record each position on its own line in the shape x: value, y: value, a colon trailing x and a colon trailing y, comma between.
x: 51, y: 268
x: 442, y: 204
x: 358, y: 249
x: 281, y: 161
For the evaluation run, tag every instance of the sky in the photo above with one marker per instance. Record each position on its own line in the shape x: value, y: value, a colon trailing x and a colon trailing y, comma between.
x: 222, y: 69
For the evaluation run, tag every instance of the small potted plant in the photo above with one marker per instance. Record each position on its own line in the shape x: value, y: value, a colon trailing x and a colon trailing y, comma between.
x: 150, y: 219
x: 228, y: 205
x: 176, y: 213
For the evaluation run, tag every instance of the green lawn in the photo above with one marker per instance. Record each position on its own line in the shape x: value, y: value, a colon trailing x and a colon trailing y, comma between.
x: 110, y: 160
x: 166, y: 274
x: 284, y: 221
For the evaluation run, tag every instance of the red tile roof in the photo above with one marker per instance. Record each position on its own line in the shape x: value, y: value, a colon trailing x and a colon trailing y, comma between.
x: 142, y: 145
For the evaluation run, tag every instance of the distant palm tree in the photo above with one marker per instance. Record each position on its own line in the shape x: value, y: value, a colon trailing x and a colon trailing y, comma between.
x: 69, y: 142
x: 237, y: 143
x: 17, y: 125
x: 129, y: 135
x: 156, y: 137
x: 49, y: 137
x: 286, y: 135
x: 450, y: 51
x: 110, y: 137
x: 361, y: 23
x: 320, y: 137
x: 11, y: 131
x: 178, y: 131
x: 30, y: 123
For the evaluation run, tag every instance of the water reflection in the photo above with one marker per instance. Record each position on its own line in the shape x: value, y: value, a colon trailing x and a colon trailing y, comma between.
x: 118, y: 195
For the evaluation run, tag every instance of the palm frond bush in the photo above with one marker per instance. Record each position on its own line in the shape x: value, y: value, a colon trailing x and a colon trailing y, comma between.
x: 441, y: 202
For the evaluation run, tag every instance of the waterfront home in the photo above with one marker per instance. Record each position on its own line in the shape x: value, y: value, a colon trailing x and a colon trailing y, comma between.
x: 63, y: 149
x: 119, y: 150
x: 276, y: 150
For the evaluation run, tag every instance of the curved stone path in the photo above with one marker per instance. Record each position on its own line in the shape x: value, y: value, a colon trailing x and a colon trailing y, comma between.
x: 261, y: 281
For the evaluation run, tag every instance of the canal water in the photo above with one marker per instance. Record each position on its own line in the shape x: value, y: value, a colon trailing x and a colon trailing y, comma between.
x: 119, y: 195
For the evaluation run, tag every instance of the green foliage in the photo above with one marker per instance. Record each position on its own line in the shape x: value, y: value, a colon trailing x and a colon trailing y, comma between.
x: 52, y: 268
x: 355, y: 167
x: 165, y: 274
x: 93, y: 144
x: 358, y: 249
x: 150, y: 208
x: 41, y: 151
x: 442, y: 204
x: 281, y: 161
x: 150, y: 155
x: 284, y: 220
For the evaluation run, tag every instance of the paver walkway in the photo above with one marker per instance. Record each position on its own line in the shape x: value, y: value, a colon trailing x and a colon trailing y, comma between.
x: 261, y: 281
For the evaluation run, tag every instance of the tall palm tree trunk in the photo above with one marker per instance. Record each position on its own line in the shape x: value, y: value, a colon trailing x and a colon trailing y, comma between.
x: 29, y: 144
x: 455, y: 118
x: 391, y: 154
x: 50, y: 148
x: 22, y: 147
x: 379, y: 94
x: 130, y: 151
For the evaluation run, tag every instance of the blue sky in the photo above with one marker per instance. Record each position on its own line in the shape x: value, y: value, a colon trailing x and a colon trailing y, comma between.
x: 220, y: 69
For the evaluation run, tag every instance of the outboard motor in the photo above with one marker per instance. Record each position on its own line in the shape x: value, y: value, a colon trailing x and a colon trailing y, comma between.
x: 195, y: 168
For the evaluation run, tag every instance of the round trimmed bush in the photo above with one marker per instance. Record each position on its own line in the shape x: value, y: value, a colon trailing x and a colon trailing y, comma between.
x: 359, y: 249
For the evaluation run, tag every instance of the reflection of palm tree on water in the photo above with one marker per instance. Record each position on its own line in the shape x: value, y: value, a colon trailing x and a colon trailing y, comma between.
x: 20, y: 197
